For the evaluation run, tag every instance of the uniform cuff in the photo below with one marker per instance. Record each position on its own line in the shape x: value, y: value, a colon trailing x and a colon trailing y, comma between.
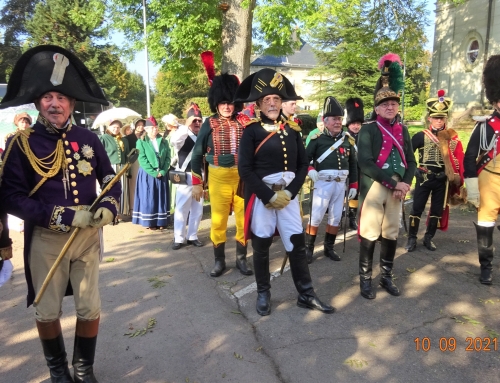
x: 354, y: 185
x: 197, y: 180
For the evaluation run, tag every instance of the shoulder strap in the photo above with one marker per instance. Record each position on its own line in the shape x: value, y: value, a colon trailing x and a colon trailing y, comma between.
x: 264, y: 141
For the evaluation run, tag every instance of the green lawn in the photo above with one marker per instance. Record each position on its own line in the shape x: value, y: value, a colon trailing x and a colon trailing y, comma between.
x: 462, y: 134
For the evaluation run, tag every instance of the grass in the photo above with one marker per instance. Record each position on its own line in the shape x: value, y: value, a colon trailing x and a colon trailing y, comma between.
x: 463, y: 135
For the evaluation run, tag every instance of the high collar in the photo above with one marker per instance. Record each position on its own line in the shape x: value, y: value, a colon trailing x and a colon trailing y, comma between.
x: 52, y: 129
x: 267, y: 120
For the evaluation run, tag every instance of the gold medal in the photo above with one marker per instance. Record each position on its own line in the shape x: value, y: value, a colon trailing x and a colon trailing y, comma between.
x: 84, y: 168
x: 87, y: 152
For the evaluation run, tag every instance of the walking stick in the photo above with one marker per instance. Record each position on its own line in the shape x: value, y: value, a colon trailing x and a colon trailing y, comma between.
x: 404, y: 215
x: 131, y: 158
x: 346, y: 207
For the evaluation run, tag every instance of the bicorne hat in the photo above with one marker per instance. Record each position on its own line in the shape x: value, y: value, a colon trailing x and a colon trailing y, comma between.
x: 439, y: 106
x: 390, y: 82
x: 49, y: 68
x: 491, y: 79
x: 355, y: 113
x: 332, y: 107
x: 192, y: 113
x: 264, y: 83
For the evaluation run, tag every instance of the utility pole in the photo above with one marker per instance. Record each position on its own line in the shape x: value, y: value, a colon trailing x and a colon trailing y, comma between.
x: 148, y: 100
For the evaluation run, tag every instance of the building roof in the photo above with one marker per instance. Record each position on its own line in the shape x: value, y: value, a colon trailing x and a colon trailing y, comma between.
x: 303, y: 58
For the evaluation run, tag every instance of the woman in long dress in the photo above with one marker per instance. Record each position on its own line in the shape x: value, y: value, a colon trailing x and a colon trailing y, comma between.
x: 151, y: 204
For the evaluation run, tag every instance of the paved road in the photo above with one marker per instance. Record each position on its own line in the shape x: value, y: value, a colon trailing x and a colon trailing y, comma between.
x: 207, y: 330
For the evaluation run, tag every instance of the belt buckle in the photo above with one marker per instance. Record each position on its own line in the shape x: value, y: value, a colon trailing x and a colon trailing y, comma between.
x: 329, y: 178
x: 337, y: 179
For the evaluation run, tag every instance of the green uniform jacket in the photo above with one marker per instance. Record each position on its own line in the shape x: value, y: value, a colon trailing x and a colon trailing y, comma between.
x: 115, y: 154
x: 342, y: 158
x: 369, y: 146
x: 148, y: 160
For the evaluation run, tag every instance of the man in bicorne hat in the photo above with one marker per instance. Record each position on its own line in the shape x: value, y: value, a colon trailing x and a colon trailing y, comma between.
x: 482, y: 170
x: 333, y: 160
x: 272, y: 162
x: 219, y: 145
x: 387, y: 165
x: 440, y: 171
x: 183, y: 141
x: 355, y: 118
x: 49, y: 179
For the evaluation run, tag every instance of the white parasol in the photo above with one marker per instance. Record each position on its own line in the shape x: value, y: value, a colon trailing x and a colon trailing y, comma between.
x: 125, y: 115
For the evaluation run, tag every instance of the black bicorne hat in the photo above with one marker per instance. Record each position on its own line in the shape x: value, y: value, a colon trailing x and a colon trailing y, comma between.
x: 192, y: 113
x: 332, y: 107
x: 354, y: 108
x: 491, y: 79
x: 223, y: 88
x: 49, y: 68
x: 264, y: 83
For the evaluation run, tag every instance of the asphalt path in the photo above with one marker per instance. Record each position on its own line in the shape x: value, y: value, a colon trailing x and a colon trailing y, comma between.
x: 184, y: 326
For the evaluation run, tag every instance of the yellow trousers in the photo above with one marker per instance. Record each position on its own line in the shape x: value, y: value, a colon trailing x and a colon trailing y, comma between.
x: 489, y: 196
x: 222, y: 185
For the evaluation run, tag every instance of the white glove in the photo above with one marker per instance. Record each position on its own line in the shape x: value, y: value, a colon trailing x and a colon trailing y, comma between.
x: 352, y: 193
x: 471, y: 185
x: 102, y: 217
x: 82, y: 219
x: 313, y: 174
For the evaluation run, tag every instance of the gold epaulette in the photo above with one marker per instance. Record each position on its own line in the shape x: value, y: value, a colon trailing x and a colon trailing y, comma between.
x: 351, y: 139
x: 314, y: 136
x: 293, y: 125
x: 250, y: 121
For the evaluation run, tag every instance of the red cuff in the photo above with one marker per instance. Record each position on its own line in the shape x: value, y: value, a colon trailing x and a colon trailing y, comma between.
x: 197, y: 180
x: 310, y: 168
x: 354, y: 185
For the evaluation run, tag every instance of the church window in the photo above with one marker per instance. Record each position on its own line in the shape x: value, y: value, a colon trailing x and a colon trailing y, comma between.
x: 472, y: 51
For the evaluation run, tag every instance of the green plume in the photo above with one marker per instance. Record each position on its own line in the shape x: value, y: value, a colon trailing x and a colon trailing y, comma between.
x: 396, y: 82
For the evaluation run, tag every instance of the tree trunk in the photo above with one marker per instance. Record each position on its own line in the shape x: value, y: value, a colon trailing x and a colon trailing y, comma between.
x: 237, y: 38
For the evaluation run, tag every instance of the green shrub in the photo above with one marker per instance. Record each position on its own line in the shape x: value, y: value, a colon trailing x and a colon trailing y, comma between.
x: 312, y: 113
x: 415, y: 113
x: 308, y: 123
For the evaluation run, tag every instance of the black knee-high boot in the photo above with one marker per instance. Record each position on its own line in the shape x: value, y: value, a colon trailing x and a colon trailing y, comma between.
x: 485, y: 250
x: 412, y: 233
x: 387, y: 253
x: 353, y: 212
x: 302, y: 278
x: 366, y: 249
x: 241, y: 259
x: 84, y: 351
x: 310, y: 239
x: 429, y: 234
x: 262, y: 276
x: 54, y: 351
x: 220, y: 260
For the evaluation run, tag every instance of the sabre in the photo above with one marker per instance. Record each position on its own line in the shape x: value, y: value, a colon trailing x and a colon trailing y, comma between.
x: 131, y: 158
x: 346, y: 209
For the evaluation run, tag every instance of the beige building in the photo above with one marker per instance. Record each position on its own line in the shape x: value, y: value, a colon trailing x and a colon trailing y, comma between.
x: 296, y: 68
x: 465, y: 37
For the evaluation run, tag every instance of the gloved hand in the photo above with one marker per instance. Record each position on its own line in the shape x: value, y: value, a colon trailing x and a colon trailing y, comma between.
x: 197, y: 192
x: 281, y: 201
x: 352, y: 193
x: 82, y: 219
x: 313, y: 174
x: 102, y: 217
x: 472, y: 191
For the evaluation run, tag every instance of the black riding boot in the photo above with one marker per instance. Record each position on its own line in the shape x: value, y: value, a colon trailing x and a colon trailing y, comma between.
x: 365, y: 268
x: 485, y: 250
x: 431, y: 231
x: 412, y: 233
x: 83, y: 359
x: 302, y: 278
x: 55, y: 355
x: 387, y: 253
x: 353, y: 212
x: 310, y: 239
x: 220, y: 260
x: 241, y: 259
x: 262, y: 276
x: 328, y: 247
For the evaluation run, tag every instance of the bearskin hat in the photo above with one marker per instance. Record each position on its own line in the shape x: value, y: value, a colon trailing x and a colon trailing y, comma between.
x: 223, y: 89
x: 491, y: 79
x: 49, y: 68
x: 355, y: 113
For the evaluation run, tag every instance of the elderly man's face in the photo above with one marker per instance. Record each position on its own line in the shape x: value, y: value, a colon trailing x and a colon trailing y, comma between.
x: 333, y: 124
x: 55, y: 107
x: 270, y: 106
x: 387, y: 109
x: 195, y: 125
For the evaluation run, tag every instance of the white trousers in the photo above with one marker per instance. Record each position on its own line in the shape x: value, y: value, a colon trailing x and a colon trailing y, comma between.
x: 186, y: 206
x: 288, y: 220
x: 327, y: 195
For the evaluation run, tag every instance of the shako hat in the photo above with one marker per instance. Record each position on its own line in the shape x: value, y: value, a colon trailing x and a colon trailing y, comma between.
x: 332, y: 107
x: 193, y: 112
x: 390, y: 82
x: 491, y: 79
x: 354, y: 108
x: 264, y: 83
x: 439, y: 106
x: 49, y: 68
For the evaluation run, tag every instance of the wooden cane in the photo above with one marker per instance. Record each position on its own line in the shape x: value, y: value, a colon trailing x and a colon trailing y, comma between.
x: 131, y: 158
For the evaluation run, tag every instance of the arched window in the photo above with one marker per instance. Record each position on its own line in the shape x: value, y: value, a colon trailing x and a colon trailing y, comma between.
x: 472, y: 51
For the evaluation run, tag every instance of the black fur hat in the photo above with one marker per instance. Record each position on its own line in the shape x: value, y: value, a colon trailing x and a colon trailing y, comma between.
x: 355, y: 113
x: 49, y: 68
x: 491, y: 79
x: 223, y: 89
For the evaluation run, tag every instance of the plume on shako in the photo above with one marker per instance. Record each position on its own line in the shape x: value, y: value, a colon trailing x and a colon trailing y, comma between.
x: 390, y: 83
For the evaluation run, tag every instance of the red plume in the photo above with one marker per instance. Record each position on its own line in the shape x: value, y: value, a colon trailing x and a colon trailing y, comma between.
x: 440, y: 93
x: 207, y: 59
x: 388, y: 57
